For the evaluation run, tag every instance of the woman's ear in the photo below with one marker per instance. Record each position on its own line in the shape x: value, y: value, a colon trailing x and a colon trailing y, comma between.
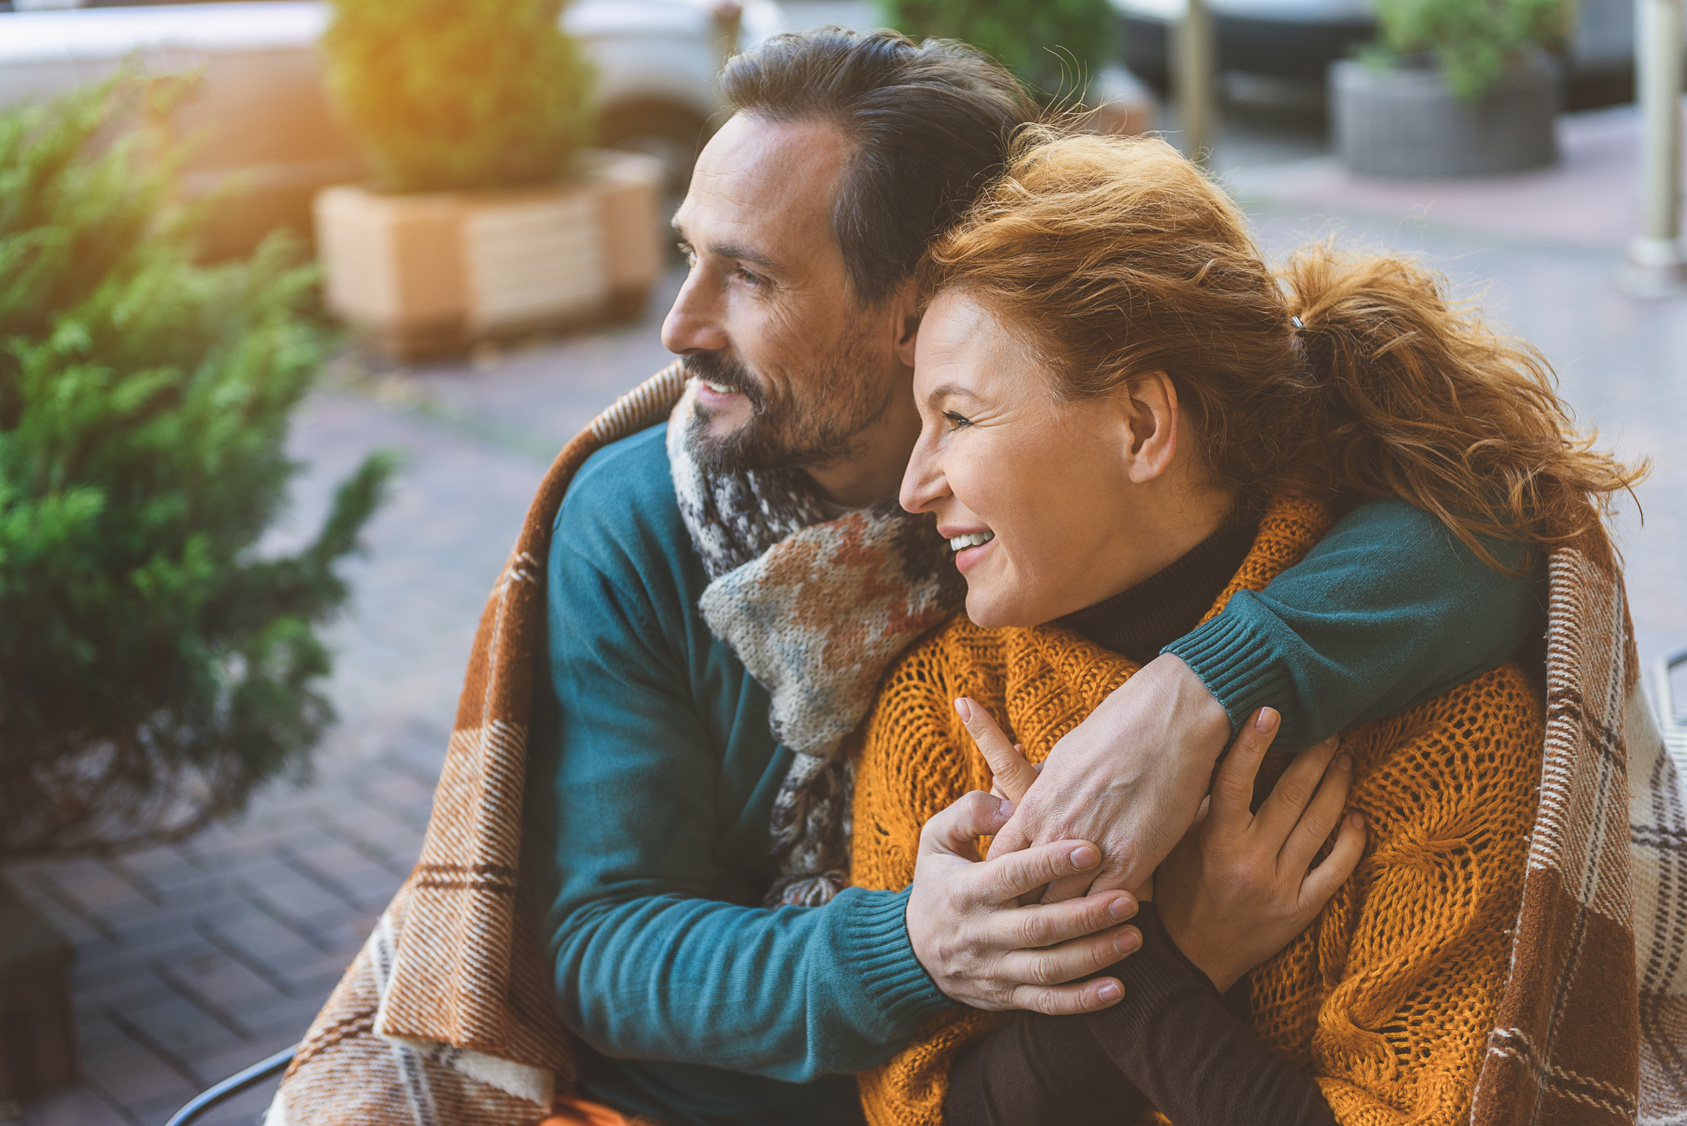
x: 1149, y: 403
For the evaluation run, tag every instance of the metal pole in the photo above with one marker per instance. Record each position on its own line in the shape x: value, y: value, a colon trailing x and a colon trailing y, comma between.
x: 1197, y: 95
x: 1657, y: 259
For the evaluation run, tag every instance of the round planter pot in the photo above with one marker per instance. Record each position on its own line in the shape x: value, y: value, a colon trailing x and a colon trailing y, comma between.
x: 1403, y: 121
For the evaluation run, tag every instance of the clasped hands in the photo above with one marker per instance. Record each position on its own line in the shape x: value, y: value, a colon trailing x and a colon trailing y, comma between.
x: 1028, y: 928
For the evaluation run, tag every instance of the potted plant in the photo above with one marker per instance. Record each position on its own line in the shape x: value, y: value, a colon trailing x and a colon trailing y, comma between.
x: 153, y: 668
x: 1452, y: 88
x: 1062, y: 50
x: 485, y: 217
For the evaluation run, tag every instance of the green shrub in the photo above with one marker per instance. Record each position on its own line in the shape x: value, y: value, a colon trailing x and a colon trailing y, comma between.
x: 450, y: 94
x: 153, y: 668
x: 1472, y: 41
x: 1052, y: 46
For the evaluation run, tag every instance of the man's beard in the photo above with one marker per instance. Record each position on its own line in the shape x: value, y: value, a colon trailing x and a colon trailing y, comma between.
x: 784, y: 430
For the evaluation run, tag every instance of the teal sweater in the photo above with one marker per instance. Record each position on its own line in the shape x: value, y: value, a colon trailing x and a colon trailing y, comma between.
x: 652, y: 775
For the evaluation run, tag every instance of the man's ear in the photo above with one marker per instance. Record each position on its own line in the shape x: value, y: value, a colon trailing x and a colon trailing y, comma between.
x: 905, y: 319
x: 1149, y: 406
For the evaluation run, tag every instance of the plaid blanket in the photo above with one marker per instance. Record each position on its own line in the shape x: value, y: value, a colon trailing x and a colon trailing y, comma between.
x: 445, y: 1018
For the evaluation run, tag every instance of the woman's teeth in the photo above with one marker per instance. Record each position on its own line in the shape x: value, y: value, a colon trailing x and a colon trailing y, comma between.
x: 971, y: 539
x: 717, y: 388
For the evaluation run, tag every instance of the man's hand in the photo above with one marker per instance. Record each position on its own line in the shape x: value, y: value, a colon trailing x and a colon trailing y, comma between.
x: 1130, y: 778
x: 1241, y: 885
x: 985, y: 950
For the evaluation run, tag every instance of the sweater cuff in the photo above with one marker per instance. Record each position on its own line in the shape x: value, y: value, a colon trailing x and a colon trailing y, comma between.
x: 882, y: 959
x: 1239, y: 665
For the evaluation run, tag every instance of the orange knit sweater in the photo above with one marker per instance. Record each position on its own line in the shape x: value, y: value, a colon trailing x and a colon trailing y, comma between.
x: 1388, y: 997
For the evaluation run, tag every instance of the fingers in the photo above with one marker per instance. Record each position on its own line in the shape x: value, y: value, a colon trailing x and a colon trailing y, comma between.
x: 1294, y: 790
x: 1013, y: 774
x: 955, y: 831
x: 1045, y: 925
x: 1322, y: 881
x: 1069, y: 1000
x: 1069, y: 961
x: 1233, y: 785
x: 1008, y: 877
x: 1320, y: 818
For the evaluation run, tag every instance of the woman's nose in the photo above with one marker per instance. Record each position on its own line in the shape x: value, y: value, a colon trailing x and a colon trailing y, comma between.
x: 923, y: 483
x: 694, y: 322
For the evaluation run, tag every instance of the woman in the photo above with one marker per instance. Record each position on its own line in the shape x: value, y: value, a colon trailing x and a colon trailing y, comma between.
x: 1127, y: 418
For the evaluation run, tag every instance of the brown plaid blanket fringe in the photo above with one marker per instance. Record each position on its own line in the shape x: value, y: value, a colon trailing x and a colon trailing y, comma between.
x: 445, y: 1018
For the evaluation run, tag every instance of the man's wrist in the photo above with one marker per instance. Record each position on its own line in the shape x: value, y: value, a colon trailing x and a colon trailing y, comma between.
x: 1206, y: 724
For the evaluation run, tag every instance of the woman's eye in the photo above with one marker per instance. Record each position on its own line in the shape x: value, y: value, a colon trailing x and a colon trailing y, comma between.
x: 956, y: 421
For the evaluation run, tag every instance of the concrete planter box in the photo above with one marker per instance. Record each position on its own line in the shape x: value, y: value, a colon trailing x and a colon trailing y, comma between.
x: 432, y: 273
x: 1403, y: 121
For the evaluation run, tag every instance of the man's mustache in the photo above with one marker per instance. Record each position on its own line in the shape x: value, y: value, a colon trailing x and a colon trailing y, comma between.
x: 723, y: 371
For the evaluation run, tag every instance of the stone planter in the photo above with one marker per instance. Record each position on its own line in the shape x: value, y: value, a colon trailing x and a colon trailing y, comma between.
x: 1403, y: 121
x: 435, y: 272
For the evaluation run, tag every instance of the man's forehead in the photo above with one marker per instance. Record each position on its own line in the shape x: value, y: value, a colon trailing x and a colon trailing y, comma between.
x: 776, y: 175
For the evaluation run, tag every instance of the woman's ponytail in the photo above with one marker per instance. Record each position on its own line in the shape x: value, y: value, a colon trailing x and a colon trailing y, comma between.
x: 1421, y: 400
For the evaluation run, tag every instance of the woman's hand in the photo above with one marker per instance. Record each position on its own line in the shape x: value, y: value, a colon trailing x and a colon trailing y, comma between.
x: 1239, y: 887
x: 982, y: 947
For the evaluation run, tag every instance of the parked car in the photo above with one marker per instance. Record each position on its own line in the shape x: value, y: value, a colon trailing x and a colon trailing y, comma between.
x: 1298, y: 39
x: 262, y: 132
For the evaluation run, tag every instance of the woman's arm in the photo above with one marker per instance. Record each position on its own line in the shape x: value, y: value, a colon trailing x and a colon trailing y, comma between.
x: 1238, y: 889
x: 1172, y: 1044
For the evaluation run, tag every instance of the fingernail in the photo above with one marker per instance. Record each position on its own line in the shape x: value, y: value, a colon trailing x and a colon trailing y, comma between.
x: 1085, y: 857
x: 1344, y: 762
x: 1127, y: 941
x: 1266, y: 722
x: 963, y: 708
x: 1356, y: 820
x: 1110, y: 991
x: 1006, y: 808
x: 1122, y: 908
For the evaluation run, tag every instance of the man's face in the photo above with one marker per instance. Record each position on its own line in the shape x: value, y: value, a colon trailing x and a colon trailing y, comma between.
x: 794, y: 371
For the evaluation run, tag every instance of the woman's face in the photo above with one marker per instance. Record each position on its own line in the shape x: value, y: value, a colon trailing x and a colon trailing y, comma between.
x: 1049, y: 505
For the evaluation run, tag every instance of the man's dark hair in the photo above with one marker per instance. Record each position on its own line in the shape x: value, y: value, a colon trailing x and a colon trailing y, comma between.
x: 929, y: 125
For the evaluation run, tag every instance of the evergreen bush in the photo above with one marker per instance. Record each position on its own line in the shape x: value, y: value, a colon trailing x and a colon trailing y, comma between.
x: 153, y: 669
x: 1472, y: 41
x: 458, y: 94
x: 1052, y: 46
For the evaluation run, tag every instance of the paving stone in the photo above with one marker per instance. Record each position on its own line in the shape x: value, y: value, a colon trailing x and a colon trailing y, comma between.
x: 128, y: 1073
x: 79, y: 1106
x: 213, y: 977
x: 176, y: 1025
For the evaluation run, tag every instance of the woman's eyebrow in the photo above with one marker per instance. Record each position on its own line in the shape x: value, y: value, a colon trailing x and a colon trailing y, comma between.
x: 949, y: 389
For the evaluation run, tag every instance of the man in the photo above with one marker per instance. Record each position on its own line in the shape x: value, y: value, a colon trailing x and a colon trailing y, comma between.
x: 674, y: 771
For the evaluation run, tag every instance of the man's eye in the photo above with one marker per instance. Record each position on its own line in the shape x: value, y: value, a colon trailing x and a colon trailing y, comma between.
x: 688, y: 254
x: 750, y: 277
x: 956, y: 421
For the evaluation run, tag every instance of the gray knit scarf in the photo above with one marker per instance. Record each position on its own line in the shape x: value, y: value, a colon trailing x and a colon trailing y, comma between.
x: 817, y: 609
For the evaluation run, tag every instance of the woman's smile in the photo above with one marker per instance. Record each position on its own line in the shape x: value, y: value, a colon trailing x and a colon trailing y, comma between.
x: 969, y: 547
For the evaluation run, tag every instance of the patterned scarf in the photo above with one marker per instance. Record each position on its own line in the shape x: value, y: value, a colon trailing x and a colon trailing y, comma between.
x: 817, y: 609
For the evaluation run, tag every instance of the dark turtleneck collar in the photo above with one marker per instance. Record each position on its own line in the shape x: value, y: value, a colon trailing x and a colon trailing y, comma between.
x: 1139, y: 622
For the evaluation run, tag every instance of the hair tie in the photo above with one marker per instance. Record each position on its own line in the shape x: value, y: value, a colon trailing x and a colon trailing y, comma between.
x: 1296, y: 322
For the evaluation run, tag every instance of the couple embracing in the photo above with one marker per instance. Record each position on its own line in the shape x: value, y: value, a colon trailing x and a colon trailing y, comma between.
x: 1028, y: 661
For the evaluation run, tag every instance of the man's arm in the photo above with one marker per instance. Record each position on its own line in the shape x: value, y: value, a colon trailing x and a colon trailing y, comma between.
x: 1389, y: 609
x: 655, y: 956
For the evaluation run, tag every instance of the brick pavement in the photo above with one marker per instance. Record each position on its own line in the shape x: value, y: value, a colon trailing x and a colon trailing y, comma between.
x: 197, y: 959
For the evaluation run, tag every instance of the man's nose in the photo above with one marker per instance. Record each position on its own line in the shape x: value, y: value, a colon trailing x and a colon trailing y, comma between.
x: 694, y: 323
x: 923, y: 483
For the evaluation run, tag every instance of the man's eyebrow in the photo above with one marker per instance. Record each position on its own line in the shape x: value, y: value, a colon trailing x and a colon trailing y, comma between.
x: 741, y: 253
x: 728, y: 250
